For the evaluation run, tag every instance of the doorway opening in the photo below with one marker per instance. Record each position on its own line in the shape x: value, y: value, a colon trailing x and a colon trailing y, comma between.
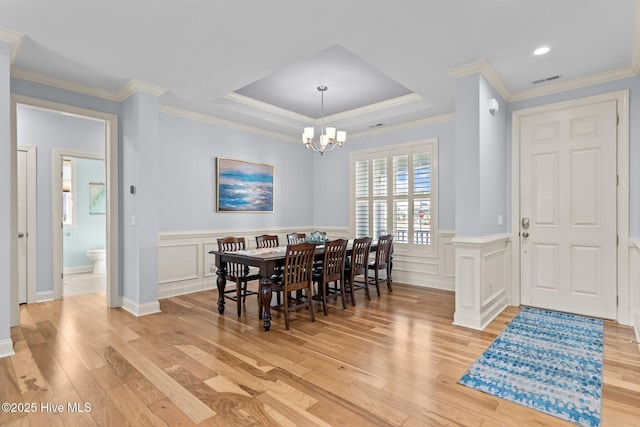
x: 84, y: 212
x: 49, y: 246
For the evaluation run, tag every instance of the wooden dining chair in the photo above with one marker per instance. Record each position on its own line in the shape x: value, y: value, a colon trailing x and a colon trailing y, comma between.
x: 237, y: 273
x: 297, y: 276
x: 356, y: 267
x: 382, y: 261
x: 293, y: 238
x: 331, y: 271
x: 267, y: 241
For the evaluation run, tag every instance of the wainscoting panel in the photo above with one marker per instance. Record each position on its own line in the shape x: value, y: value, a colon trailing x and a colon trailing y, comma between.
x: 178, y: 262
x: 483, y: 272
x: 185, y: 265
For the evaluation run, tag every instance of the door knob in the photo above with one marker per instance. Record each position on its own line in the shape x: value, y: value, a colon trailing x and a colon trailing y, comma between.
x: 20, y: 234
x: 525, y: 234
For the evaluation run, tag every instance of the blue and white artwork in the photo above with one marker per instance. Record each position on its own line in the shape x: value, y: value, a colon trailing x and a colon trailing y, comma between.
x: 244, y: 186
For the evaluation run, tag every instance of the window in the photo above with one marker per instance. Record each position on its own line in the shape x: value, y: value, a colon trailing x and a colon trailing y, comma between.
x: 394, y: 191
x: 68, y: 189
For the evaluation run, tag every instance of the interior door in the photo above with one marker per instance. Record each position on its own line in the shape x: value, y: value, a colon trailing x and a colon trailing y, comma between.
x: 22, y: 227
x: 568, y: 208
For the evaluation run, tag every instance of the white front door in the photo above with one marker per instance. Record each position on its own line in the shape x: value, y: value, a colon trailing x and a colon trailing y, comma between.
x: 568, y: 209
x: 22, y: 227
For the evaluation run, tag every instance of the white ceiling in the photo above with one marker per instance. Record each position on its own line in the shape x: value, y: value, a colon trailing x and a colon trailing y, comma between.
x: 258, y: 63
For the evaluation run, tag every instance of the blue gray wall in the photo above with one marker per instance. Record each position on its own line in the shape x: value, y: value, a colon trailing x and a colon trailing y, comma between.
x: 89, y: 230
x: 188, y: 152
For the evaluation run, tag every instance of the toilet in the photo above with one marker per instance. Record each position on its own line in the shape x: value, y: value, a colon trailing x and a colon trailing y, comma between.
x: 99, y: 258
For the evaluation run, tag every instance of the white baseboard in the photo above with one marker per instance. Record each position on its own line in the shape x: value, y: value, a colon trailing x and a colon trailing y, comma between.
x: 6, y: 348
x: 482, y: 321
x: 45, y: 296
x: 182, y: 288
x: 139, y: 310
x: 78, y: 270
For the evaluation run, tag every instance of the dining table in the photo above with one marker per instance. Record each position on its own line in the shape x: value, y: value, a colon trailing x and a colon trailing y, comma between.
x: 266, y: 260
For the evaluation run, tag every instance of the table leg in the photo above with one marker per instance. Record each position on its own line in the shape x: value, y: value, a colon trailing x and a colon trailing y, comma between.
x: 221, y: 282
x: 265, y: 291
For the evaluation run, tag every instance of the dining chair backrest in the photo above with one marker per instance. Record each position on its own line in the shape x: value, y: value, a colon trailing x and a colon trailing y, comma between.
x: 298, y: 265
x: 360, y: 255
x: 229, y: 244
x: 335, y: 253
x: 267, y: 241
x: 383, y: 251
x: 293, y: 238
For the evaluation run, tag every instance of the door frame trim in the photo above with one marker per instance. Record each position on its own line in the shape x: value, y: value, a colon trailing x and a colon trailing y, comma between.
x: 57, y: 155
x: 111, y: 156
x: 622, y: 98
x: 31, y: 152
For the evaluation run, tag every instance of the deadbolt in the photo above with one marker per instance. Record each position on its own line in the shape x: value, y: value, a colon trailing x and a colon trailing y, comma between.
x: 525, y: 223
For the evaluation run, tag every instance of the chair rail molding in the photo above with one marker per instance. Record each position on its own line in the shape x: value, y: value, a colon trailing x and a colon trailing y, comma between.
x: 482, y: 278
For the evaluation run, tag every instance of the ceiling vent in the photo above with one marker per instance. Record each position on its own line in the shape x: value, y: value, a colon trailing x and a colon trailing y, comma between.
x: 545, y: 80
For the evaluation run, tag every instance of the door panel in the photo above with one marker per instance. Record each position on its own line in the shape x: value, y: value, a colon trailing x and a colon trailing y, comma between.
x: 569, y: 196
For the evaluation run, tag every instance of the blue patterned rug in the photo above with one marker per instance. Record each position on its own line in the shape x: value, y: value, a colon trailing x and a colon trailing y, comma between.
x: 548, y: 361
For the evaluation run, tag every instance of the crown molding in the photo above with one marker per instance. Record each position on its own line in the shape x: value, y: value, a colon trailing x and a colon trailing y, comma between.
x: 403, y: 126
x: 241, y: 99
x: 14, y: 39
x: 378, y: 106
x: 621, y: 73
x: 483, y: 67
x: 136, y: 86
x: 34, y: 77
x: 226, y: 123
x: 389, y: 103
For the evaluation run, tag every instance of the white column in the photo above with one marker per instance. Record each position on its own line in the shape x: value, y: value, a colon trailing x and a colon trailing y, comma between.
x: 140, y: 120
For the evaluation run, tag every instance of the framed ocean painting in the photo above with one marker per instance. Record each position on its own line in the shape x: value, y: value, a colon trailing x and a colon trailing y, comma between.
x: 244, y: 186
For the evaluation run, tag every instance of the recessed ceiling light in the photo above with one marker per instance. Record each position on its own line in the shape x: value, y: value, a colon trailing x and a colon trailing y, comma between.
x: 541, y: 50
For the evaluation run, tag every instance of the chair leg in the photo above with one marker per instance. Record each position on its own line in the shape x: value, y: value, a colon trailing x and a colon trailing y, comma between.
x: 310, y: 302
x: 324, y: 297
x: 244, y: 292
x: 389, y: 278
x: 239, y: 297
x: 286, y: 310
x: 344, y: 304
x: 353, y: 294
x: 377, y: 281
x: 366, y: 286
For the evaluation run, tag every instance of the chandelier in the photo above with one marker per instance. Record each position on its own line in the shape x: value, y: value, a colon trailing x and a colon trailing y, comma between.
x: 329, y: 137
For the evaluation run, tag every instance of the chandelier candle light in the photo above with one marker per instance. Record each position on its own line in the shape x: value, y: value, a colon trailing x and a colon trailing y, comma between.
x: 329, y: 137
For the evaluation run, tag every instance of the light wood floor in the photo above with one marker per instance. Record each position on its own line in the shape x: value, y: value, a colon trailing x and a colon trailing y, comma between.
x: 392, y: 361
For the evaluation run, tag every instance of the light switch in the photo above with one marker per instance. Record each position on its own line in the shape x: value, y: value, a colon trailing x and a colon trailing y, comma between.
x: 500, y: 220
x: 133, y: 220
